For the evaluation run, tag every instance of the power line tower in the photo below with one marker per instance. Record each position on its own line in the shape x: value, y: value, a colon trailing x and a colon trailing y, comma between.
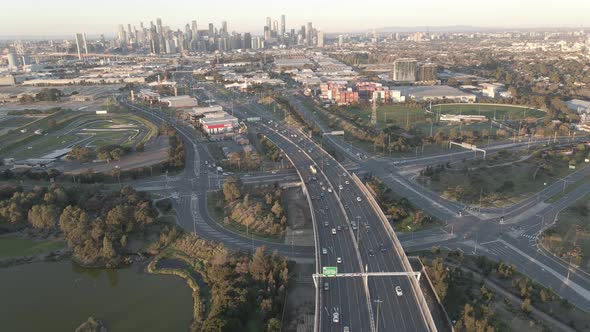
x: 374, y: 114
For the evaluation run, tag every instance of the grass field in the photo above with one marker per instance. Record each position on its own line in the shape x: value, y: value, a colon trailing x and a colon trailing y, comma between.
x: 15, y: 247
x: 570, y: 237
x: 69, y: 131
x: 498, y: 184
x: 399, y: 115
x: 501, y: 112
x: 17, y: 121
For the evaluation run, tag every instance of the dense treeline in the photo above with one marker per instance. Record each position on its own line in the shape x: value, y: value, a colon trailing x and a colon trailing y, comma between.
x: 270, y: 149
x: 242, y: 288
x: 258, y: 208
x: 96, y: 225
x: 46, y: 94
x: 176, y: 154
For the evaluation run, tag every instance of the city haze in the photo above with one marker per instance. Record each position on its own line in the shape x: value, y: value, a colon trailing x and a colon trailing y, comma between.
x: 61, y: 17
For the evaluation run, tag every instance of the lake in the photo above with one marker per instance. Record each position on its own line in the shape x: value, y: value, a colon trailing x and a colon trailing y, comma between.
x: 60, y: 296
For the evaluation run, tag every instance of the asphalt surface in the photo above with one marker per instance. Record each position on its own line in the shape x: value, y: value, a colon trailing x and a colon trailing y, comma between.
x: 473, y: 232
x: 396, y: 313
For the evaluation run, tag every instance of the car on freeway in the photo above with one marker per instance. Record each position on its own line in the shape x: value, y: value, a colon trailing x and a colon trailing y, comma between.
x: 398, y: 291
x: 345, y: 227
x: 346, y: 329
x: 344, y: 174
x: 354, y: 227
x: 339, y: 228
x: 329, y: 190
x: 323, y: 188
x: 326, y: 286
x: 339, y: 260
x: 371, y: 253
x: 335, y: 317
x: 382, y: 247
x: 340, y: 187
x: 273, y: 172
x: 358, y: 199
x: 326, y: 223
x: 347, y: 182
x: 333, y: 231
x: 322, y: 194
x: 324, y: 251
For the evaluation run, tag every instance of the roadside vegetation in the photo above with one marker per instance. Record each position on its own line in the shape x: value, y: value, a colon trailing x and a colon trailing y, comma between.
x: 481, y: 295
x: 402, y: 215
x: 256, y: 210
x: 569, y: 238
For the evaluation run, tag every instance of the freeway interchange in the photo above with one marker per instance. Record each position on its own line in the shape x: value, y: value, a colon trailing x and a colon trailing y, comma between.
x: 374, y: 304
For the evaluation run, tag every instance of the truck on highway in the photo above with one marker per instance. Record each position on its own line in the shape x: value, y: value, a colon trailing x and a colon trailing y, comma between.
x: 312, y: 169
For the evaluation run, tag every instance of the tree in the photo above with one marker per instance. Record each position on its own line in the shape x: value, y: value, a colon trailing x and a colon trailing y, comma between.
x: 526, y: 305
x: 231, y: 192
x: 277, y: 209
x: 107, y: 248
x: 273, y: 325
x: 42, y: 216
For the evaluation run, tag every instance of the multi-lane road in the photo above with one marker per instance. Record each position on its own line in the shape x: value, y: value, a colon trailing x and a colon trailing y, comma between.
x: 473, y: 232
x: 360, y: 239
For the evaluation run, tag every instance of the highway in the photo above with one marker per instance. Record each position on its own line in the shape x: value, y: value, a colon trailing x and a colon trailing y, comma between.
x: 473, y: 233
x: 396, y: 313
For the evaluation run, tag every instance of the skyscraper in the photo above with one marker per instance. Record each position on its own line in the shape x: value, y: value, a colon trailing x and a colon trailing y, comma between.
x: 320, y: 39
x: 81, y: 44
x: 211, y: 33
x: 194, y: 28
x: 308, y: 34
x: 283, y: 26
x: 268, y: 22
x: 223, y: 31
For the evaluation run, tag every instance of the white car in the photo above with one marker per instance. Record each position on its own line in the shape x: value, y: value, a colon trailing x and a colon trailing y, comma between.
x: 339, y: 260
x: 398, y: 291
x: 324, y: 251
x: 335, y: 317
x: 358, y: 199
x: 333, y: 231
x: 329, y: 190
x: 340, y: 187
x: 346, y: 329
x: 347, y: 182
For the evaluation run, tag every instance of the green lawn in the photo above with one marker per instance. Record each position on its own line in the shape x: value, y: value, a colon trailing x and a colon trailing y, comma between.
x: 500, y: 184
x: 15, y: 247
x: 399, y: 115
x: 501, y: 112
x: 16, y: 144
x: 17, y: 121
x: 570, y: 237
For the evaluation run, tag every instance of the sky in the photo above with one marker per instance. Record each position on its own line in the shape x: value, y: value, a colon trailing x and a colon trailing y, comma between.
x: 65, y: 17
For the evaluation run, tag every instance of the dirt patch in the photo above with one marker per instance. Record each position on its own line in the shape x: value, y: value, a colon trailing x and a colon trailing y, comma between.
x: 155, y: 152
x: 299, y: 223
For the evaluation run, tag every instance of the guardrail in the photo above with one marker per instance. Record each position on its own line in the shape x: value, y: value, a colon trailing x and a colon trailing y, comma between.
x: 400, y: 251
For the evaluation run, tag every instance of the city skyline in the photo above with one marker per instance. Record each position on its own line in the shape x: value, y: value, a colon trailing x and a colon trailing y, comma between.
x: 250, y: 16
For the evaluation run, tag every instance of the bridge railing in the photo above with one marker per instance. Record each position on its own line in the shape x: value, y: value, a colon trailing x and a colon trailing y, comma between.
x: 400, y: 251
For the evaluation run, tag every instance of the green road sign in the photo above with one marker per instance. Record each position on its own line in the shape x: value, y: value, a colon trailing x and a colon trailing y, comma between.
x: 330, y: 271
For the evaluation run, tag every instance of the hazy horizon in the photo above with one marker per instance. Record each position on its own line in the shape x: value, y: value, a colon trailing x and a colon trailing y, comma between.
x: 66, y: 17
